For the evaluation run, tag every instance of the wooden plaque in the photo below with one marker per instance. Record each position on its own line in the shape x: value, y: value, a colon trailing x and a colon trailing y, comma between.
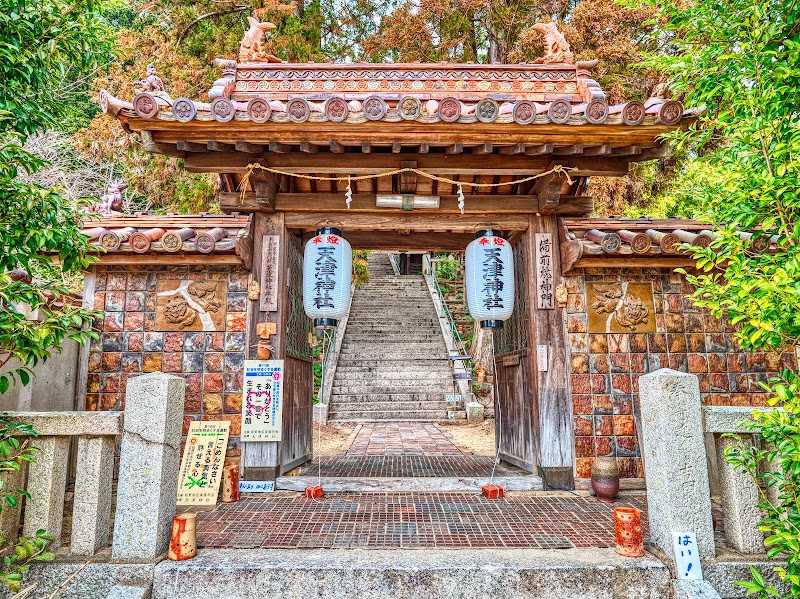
x: 545, y: 277
x: 270, y: 267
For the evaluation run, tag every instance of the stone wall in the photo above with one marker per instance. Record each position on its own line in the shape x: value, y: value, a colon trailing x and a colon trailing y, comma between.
x: 605, y: 367
x: 130, y: 343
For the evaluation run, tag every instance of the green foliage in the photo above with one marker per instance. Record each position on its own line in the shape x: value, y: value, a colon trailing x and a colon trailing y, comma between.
x: 740, y: 61
x: 360, y: 272
x: 40, y: 45
x: 18, y: 553
x: 779, y: 431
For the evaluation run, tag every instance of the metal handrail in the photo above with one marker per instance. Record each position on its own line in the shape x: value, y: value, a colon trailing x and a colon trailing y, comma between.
x: 394, y: 260
x: 430, y: 271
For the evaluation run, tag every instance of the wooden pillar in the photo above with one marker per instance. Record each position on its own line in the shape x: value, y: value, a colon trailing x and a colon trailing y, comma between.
x: 261, y: 460
x: 551, y: 365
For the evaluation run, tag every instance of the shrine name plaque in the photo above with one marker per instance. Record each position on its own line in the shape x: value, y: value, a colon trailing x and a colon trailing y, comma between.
x: 545, y: 283
x: 262, y: 400
x: 270, y: 254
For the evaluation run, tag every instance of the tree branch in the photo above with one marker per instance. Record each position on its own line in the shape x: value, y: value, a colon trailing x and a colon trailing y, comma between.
x: 217, y: 13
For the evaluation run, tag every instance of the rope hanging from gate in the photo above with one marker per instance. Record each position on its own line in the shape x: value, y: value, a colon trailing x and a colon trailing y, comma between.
x: 557, y: 169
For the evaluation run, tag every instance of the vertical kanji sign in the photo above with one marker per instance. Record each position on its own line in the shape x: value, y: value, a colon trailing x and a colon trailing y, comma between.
x: 545, y: 283
x: 203, y: 458
x: 262, y: 400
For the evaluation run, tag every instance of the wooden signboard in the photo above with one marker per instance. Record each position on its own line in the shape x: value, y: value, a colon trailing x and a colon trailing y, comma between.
x: 262, y: 400
x: 203, y: 458
x: 270, y: 254
x: 545, y: 281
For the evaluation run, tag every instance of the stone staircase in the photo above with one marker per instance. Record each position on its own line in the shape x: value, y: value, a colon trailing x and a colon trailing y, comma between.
x: 393, y: 364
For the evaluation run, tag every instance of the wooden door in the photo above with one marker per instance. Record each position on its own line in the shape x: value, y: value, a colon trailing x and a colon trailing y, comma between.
x: 515, y: 402
x: 297, y: 436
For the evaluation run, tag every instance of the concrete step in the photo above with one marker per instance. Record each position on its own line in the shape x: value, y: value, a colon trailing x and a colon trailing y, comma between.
x: 423, y: 363
x: 394, y: 347
x: 405, y: 573
x: 391, y: 369
x: 417, y: 484
x: 361, y: 353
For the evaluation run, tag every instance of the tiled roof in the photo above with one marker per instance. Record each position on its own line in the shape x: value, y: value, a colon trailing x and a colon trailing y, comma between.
x: 617, y: 240
x: 159, y: 235
x: 525, y: 94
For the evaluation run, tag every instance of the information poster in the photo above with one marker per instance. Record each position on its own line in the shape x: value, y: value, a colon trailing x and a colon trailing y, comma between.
x: 203, y: 458
x: 262, y: 400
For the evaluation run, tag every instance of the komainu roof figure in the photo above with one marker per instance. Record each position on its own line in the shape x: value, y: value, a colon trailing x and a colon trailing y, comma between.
x: 151, y: 83
x: 111, y: 201
x: 556, y: 48
x: 251, y: 49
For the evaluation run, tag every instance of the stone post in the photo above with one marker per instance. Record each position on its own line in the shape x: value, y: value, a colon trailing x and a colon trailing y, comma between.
x: 9, y: 518
x: 678, y: 497
x: 149, y: 463
x: 91, y: 513
x: 47, y: 480
x: 740, y: 499
x: 739, y: 493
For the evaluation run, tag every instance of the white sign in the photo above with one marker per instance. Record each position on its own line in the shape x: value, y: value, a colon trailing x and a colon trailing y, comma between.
x: 452, y: 397
x: 262, y: 400
x: 545, y: 285
x: 256, y: 486
x: 203, y: 458
x: 541, y: 358
x: 687, y: 556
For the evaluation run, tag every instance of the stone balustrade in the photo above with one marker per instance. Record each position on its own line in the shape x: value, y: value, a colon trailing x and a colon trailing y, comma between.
x: 676, y: 470
x: 47, y: 477
x: 147, y: 483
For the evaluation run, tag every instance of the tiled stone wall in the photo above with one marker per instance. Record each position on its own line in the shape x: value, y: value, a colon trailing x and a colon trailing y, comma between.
x: 605, y: 368
x: 210, y: 362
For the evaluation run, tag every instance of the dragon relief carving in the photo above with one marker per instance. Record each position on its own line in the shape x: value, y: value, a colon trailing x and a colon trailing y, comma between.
x: 204, y: 295
x: 628, y: 310
x: 178, y: 311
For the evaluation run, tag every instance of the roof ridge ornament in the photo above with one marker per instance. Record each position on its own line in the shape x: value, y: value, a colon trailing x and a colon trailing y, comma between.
x: 556, y: 48
x: 251, y: 48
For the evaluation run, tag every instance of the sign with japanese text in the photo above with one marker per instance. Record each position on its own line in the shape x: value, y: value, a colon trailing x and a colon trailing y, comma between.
x: 489, y: 274
x: 545, y: 284
x: 270, y: 266
x: 256, y: 486
x: 203, y: 458
x: 687, y: 556
x: 327, y: 276
x: 262, y: 400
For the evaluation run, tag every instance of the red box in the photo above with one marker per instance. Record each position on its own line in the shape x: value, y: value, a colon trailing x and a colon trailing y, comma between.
x: 314, y: 492
x: 492, y: 491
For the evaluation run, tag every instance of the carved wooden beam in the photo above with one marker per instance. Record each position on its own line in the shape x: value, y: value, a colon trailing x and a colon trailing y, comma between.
x: 408, y: 181
x: 548, y: 190
x: 248, y: 148
x: 218, y: 146
x: 265, y: 186
x: 337, y: 148
x: 190, y: 146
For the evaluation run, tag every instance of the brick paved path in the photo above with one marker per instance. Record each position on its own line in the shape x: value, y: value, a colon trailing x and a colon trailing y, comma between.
x: 402, y: 438
x: 376, y: 520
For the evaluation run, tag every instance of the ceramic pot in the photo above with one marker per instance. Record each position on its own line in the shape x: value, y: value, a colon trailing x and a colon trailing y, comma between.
x: 183, y: 542
x: 230, y: 483
x: 628, y: 530
x: 264, y: 350
x: 605, y: 478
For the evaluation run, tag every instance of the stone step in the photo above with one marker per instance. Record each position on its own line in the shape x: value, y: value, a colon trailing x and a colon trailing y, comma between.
x: 395, y: 347
x: 365, y: 398
x: 390, y: 369
x: 361, y: 388
x: 417, y: 484
x: 394, y: 356
x: 392, y: 415
x: 423, y: 363
x: 398, y: 408
x: 390, y: 336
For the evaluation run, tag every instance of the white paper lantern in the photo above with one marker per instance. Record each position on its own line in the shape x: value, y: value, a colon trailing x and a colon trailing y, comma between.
x: 327, y: 277
x: 489, y: 278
